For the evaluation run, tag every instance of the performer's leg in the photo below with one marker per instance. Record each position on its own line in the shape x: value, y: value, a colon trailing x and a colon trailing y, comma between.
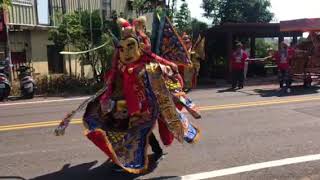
x: 280, y: 75
x: 287, y: 79
x: 234, y: 79
x: 155, y: 146
x: 241, y: 79
x: 194, y: 78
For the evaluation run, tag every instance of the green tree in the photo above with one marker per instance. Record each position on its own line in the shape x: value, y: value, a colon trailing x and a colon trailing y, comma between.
x: 5, y: 3
x: 262, y: 47
x: 171, y: 8
x: 83, y: 31
x: 112, y: 24
x: 105, y: 54
x: 183, y: 19
x: 139, y: 6
x: 143, y: 6
x: 210, y: 8
x: 237, y: 11
x: 198, y: 27
x: 67, y: 32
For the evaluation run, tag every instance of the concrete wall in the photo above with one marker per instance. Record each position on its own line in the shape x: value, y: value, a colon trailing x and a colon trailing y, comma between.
x: 34, y: 43
x: 41, y: 68
x: 35, y: 40
x: 76, y: 68
x: 20, y: 41
x: 39, y: 42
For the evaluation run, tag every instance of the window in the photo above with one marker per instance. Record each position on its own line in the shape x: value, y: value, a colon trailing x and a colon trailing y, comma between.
x: 22, y: 2
x: 43, y: 12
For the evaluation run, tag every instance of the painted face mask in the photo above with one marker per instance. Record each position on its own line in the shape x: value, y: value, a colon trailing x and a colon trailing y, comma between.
x: 129, y: 51
x: 121, y: 110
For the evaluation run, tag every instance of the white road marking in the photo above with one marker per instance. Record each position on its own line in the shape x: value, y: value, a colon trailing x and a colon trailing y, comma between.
x: 251, y: 167
x: 43, y: 102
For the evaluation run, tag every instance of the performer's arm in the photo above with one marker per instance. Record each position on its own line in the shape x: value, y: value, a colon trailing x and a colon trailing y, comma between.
x: 173, y: 66
x: 163, y: 61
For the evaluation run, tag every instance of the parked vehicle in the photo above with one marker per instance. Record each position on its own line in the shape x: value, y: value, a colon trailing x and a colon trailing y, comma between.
x: 5, y: 86
x: 305, y: 65
x: 27, y: 84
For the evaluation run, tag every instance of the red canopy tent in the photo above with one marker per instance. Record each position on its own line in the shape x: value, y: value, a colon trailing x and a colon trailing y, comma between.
x: 303, y: 25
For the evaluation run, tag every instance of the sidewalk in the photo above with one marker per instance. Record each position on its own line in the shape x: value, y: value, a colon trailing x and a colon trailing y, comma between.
x: 251, y: 81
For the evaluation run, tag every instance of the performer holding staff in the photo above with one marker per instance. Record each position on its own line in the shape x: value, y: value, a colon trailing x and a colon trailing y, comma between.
x: 282, y: 58
x: 238, y: 61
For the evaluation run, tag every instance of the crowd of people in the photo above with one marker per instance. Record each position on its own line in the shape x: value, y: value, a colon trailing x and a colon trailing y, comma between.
x: 282, y: 59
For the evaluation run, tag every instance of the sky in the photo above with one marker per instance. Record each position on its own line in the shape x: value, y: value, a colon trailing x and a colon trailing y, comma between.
x: 283, y: 9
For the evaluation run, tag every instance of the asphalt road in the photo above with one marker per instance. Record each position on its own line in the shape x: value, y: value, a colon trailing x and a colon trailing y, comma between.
x: 255, y: 125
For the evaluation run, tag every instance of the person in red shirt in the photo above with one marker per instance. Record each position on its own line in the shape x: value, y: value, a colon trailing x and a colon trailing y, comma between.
x: 283, y: 59
x: 238, y: 60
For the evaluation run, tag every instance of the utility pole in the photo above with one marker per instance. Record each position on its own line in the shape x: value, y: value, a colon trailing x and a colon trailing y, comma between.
x: 91, y: 37
x: 91, y: 33
x: 69, y: 49
x: 8, y: 48
x: 101, y: 14
x: 80, y: 20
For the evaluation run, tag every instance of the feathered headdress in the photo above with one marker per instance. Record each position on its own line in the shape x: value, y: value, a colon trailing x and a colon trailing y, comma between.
x: 126, y: 28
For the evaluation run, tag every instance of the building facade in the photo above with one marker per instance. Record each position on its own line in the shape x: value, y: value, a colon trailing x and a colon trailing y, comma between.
x: 28, y: 24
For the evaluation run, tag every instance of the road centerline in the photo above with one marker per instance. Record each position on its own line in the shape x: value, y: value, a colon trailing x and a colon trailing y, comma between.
x: 204, y: 108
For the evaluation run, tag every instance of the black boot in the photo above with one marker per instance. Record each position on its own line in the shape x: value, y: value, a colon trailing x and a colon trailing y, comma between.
x: 155, y: 146
x: 116, y: 168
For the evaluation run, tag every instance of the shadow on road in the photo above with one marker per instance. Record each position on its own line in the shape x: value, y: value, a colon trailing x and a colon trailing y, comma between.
x: 296, y: 91
x: 87, y: 171
x: 226, y: 90
x: 11, y: 178
x: 247, y: 93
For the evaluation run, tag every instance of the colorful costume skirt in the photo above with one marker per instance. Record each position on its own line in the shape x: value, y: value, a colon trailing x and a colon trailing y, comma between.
x: 127, y: 146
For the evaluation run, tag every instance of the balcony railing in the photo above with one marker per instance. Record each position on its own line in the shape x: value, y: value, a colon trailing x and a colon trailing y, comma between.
x: 22, y: 2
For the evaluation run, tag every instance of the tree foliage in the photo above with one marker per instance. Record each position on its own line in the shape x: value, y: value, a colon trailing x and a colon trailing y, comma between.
x: 183, y: 19
x: 82, y: 31
x: 67, y: 32
x: 262, y: 47
x: 144, y: 6
x: 4, y: 3
x: 198, y: 27
x: 139, y: 6
x: 237, y: 11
